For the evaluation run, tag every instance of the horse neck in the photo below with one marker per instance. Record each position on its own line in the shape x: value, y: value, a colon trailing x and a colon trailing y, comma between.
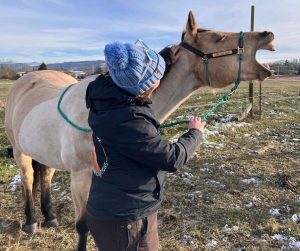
x: 74, y: 105
x: 174, y: 89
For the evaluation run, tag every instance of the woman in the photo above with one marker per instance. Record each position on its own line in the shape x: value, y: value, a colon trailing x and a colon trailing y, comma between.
x: 131, y: 155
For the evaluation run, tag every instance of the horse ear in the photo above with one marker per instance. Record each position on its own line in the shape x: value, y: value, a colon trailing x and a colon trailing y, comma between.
x: 191, y: 25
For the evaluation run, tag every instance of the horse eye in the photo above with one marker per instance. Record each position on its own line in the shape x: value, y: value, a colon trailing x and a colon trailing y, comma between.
x: 221, y: 38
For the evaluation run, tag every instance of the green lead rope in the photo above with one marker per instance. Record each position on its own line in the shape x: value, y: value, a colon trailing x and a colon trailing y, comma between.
x: 223, y: 100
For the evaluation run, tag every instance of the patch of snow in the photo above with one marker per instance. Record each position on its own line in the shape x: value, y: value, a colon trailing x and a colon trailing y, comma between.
x: 229, y: 118
x: 215, y: 183
x: 292, y: 242
x: 252, y: 181
x: 294, y: 245
x: 256, y: 198
x: 208, y: 132
x: 287, y: 208
x: 55, y: 186
x: 212, y: 244
x: 13, y: 185
x: 274, y: 212
x: 296, y: 218
x: 230, y: 229
x: 232, y: 124
x: 174, y: 139
x: 187, y: 175
x: 195, y: 194
x: 225, y: 239
x: 234, y: 206
x: 205, y: 169
x: 209, y: 144
x: 249, y: 205
x: 196, y: 155
x: 186, y: 180
x: 64, y: 196
x: 279, y: 237
x: 171, y: 175
x: 297, y: 200
x: 228, y: 171
x: 189, y: 240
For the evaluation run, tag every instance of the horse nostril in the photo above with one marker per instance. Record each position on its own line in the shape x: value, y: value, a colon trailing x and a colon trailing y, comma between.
x: 264, y: 34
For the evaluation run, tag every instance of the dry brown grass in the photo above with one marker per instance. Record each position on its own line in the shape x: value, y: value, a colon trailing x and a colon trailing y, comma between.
x: 221, y: 200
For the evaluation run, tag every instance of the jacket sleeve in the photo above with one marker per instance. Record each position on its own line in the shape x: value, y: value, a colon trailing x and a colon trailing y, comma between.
x: 144, y: 144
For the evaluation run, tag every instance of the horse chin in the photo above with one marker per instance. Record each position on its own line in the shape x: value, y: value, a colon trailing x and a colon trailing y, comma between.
x: 264, y: 71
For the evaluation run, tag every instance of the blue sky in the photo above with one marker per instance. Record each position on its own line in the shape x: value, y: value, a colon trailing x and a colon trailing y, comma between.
x: 68, y: 30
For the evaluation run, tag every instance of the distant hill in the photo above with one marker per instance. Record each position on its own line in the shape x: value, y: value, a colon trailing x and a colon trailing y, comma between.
x: 87, y: 66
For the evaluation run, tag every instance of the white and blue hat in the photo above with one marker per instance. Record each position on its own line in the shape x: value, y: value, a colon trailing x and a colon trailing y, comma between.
x: 132, y: 67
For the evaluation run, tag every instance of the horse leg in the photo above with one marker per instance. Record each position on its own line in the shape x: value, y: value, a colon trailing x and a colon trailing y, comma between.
x: 36, y: 178
x: 46, y: 174
x: 27, y: 176
x: 80, y: 186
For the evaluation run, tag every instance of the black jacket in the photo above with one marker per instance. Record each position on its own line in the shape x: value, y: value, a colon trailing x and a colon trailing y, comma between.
x: 132, y: 185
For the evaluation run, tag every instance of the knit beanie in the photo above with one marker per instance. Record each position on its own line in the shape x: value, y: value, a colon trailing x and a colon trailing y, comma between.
x: 133, y: 68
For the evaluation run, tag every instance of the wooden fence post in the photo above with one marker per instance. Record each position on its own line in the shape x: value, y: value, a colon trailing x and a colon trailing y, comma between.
x: 260, y: 98
x: 251, y: 96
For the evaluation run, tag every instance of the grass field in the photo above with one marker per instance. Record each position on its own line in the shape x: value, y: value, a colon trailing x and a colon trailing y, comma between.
x: 240, y: 191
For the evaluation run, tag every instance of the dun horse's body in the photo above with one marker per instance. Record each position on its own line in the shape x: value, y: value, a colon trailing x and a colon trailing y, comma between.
x: 43, y: 141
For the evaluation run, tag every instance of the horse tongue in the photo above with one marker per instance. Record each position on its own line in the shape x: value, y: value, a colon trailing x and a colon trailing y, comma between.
x: 266, y: 66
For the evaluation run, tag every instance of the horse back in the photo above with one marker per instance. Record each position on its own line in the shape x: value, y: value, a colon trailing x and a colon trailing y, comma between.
x: 29, y: 91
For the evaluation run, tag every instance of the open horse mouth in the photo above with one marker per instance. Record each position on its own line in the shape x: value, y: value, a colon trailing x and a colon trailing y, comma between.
x: 268, y: 43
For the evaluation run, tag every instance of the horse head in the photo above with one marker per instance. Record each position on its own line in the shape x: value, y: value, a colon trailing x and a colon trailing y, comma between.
x: 224, y: 49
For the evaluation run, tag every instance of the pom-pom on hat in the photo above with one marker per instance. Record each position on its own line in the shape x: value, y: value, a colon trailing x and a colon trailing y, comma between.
x: 133, y: 68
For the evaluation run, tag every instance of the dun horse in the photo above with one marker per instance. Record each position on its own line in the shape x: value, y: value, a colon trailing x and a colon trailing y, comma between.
x: 43, y: 141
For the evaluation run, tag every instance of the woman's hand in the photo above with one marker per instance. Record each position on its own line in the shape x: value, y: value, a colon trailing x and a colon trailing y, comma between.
x: 195, y: 122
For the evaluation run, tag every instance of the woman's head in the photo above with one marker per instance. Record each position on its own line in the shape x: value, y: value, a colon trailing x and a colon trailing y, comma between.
x: 134, y: 68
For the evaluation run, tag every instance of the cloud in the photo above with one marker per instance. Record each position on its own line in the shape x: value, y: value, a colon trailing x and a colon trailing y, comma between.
x: 78, y: 29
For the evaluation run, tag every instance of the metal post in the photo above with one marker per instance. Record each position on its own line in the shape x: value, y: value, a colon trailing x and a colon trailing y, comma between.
x: 251, y: 99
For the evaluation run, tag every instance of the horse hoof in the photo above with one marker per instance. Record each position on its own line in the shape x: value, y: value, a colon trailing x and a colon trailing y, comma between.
x: 51, y: 223
x: 30, y: 229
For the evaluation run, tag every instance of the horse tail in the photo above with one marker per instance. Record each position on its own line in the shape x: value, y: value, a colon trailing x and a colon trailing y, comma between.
x: 36, y: 176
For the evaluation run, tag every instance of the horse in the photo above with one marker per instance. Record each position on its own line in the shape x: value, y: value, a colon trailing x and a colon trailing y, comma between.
x: 44, y: 142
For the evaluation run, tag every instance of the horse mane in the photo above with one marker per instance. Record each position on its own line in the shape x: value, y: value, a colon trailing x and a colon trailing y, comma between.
x: 198, y: 30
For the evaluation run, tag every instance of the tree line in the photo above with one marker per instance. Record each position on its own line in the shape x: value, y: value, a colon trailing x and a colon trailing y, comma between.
x: 280, y: 67
x: 286, y: 67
